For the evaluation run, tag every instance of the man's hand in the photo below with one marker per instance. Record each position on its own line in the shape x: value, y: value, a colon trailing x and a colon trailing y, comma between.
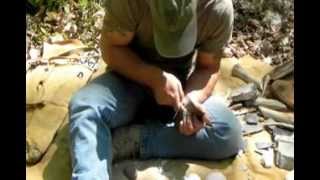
x: 169, y: 91
x: 195, y: 118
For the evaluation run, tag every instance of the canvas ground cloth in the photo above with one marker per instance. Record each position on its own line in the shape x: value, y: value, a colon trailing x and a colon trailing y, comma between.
x: 55, y: 165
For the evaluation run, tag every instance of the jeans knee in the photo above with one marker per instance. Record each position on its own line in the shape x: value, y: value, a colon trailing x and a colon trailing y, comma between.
x: 218, y: 149
x: 224, y: 138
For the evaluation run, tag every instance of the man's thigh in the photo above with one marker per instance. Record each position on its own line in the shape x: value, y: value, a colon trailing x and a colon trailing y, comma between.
x: 114, y: 98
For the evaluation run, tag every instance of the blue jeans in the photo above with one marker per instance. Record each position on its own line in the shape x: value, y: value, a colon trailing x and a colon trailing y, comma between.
x: 111, y: 101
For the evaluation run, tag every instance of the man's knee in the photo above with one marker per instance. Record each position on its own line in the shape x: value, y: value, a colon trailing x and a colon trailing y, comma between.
x: 225, y: 135
x: 223, y: 144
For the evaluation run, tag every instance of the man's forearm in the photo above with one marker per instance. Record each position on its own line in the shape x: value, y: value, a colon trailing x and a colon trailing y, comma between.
x: 122, y: 60
x: 202, y: 83
x: 204, y: 78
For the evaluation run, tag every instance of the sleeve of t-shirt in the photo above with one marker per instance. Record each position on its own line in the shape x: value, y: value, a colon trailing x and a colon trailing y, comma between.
x: 121, y: 15
x: 220, y: 26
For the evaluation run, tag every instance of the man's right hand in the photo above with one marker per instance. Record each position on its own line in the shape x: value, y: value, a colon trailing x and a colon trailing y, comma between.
x: 168, y: 91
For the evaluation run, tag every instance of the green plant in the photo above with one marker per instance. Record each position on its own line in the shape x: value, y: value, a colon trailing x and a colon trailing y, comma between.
x: 83, y: 3
x: 36, y: 2
x: 49, y: 4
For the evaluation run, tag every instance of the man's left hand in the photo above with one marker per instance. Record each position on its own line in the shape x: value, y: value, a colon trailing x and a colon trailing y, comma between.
x: 193, y: 122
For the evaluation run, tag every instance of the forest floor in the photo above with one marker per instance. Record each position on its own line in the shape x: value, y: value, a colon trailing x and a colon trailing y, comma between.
x: 263, y: 29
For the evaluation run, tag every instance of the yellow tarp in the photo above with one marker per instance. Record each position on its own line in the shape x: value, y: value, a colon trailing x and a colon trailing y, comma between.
x: 55, y: 165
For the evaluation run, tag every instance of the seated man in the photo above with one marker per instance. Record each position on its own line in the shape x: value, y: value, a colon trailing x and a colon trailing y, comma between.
x: 158, y: 53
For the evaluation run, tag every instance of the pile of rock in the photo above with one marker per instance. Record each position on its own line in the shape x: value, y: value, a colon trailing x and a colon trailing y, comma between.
x: 263, y: 29
x: 268, y: 105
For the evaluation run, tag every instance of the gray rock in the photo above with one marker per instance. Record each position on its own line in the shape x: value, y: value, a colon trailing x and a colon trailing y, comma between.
x: 273, y: 20
x: 267, y: 158
x: 245, y: 93
x: 266, y: 48
x: 263, y: 145
x: 33, y: 154
x: 284, y: 156
x: 248, y: 129
x: 251, y: 118
x: 215, y: 176
x: 290, y: 175
x: 192, y: 176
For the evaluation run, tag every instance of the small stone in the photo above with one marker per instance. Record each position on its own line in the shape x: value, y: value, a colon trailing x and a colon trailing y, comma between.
x: 249, y: 103
x: 192, y: 176
x: 267, y: 158
x: 251, y: 129
x: 263, y: 145
x: 267, y: 60
x: 284, y: 41
x: 245, y: 93
x: 55, y: 38
x: 34, y: 53
x: 243, y: 167
x: 70, y: 28
x: 285, y: 152
x: 99, y: 19
x: 33, y: 154
x: 215, y: 176
x: 266, y: 48
x: 236, y: 106
x: 251, y: 118
x: 273, y: 20
x: 254, y: 23
x: 290, y: 175
x: 227, y: 52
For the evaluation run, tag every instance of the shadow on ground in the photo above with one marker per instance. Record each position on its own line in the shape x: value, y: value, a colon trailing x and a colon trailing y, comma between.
x: 59, y: 166
x: 59, y: 163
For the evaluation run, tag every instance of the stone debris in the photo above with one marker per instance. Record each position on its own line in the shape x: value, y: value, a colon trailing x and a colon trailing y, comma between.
x: 267, y: 158
x: 236, y: 106
x: 243, y: 111
x: 248, y: 129
x: 192, y: 176
x: 215, y: 176
x: 266, y: 28
x: 284, y: 156
x: 263, y: 145
x: 290, y: 175
x: 243, y: 167
x: 245, y: 93
x: 251, y: 118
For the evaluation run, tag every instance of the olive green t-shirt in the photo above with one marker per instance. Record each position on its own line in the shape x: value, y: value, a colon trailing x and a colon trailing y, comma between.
x: 215, y: 24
